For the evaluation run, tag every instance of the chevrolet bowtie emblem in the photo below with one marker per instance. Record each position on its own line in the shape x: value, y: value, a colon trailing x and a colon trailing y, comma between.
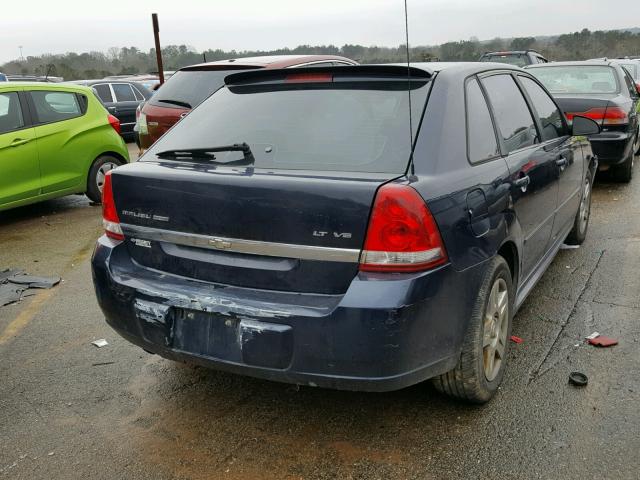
x: 219, y: 243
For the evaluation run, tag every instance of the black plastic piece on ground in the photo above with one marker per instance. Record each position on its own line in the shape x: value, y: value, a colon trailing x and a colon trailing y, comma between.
x: 578, y: 379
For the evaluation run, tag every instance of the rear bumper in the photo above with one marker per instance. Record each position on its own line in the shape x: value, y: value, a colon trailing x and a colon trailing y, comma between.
x: 611, y: 148
x: 380, y: 335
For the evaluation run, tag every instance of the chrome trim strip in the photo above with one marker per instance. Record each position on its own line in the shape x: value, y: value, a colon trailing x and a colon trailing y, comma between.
x: 250, y: 247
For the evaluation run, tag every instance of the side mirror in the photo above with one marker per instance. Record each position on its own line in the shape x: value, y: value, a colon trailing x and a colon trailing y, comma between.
x: 583, y: 126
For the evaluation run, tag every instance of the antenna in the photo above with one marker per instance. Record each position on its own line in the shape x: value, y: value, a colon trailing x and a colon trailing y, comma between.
x: 406, y: 29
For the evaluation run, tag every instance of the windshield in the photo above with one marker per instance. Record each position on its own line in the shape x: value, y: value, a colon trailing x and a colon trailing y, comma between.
x: 350, y: 126
x: 517, y: 59
x: 577, y: 79
x: 188, y: 88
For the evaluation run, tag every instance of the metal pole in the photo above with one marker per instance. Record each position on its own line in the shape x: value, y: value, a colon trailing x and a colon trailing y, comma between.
x: 156, y: 36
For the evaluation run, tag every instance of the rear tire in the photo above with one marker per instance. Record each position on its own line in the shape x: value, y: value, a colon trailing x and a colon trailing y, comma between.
x: 624, y: 172
x: 483, y: 358
x: 95, y: 180
x: 581, y: 223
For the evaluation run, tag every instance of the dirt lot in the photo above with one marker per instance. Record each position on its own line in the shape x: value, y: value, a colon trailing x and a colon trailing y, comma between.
x: 70, y: 410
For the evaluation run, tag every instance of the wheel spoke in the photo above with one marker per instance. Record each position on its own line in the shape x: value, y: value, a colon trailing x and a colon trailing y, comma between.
x: 502, y: 303
x: 486, y: 337
x: 500, y: 347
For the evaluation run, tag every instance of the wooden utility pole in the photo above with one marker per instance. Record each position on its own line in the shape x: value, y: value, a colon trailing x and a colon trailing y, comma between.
x: 156, y: 36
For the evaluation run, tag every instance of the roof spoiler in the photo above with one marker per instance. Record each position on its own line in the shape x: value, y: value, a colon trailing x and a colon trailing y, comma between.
x: 344, y: 73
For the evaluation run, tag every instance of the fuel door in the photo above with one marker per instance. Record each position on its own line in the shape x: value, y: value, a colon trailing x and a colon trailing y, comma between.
x: 478, y: 212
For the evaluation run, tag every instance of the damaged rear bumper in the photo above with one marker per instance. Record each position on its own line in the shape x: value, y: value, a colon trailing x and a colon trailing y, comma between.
x: 380, y: 335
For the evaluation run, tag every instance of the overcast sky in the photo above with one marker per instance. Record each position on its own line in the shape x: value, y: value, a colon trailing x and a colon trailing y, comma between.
x: 45, y: 26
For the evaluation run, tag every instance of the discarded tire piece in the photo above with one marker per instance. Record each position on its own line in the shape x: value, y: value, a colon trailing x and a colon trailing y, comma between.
x: 14, y: 283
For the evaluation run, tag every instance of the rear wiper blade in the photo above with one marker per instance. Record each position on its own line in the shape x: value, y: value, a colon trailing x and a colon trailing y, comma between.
x: 175, y: 102
x: 209, y: 154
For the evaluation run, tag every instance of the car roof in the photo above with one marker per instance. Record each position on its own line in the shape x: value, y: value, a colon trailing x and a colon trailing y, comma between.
x: 511, y: 52
x: 93, y: 82
x: 464, y: 67
x: 267, y: 61
x: 575, y: 63
x: 45, y: 86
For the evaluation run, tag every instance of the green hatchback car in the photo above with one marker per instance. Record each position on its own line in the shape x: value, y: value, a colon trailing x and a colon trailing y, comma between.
x: 55, y: 140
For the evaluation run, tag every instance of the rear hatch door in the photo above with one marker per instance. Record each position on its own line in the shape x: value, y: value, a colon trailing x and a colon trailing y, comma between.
x: 294, y: 218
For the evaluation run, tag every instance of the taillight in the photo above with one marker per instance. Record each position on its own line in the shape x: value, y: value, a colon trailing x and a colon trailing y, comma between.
x: 606, y: 115
x: 114, y: 122
x: 110, y: 218
x: 402, y: 235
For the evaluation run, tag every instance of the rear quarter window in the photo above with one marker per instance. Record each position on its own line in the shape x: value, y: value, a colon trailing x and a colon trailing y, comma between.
x: 482, y: 143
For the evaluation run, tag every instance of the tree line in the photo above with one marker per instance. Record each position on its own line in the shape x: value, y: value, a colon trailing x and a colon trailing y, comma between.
x: 131, y: 60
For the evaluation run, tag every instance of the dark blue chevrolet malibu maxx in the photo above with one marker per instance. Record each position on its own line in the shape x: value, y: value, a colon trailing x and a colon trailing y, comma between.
x: 362, y: 228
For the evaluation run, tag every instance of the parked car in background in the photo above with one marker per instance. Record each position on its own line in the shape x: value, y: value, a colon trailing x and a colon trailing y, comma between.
x: 519, y: 58
x: 3, y: 77
x: 121, y: 98
x: 605, y: 92
x: 55, y: 140
x: 362, y: 260
x: 191, y: 85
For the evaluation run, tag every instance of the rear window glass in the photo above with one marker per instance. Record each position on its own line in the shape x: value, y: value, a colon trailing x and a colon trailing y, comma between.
x: 517, y: 59
x: 357, y: 127
x: 578, y: 79
x: 186, y: 89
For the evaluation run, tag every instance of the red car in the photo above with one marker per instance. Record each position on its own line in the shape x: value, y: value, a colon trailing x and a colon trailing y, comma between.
x: 191, y: 85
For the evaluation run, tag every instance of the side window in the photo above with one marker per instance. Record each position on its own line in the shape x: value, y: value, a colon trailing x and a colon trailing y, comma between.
x: 104, y: 92
x: 550, y: 116
x: 139, y: 96
x: 10, y: 112
x: 123, y: 92
x: 481, y: 136
x: 511, y: 112
x: 55, y: 106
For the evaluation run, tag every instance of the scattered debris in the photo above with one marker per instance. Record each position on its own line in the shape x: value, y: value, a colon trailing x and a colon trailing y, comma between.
x: 102, y: 363
x: 592, y: 336
x: 602, y: 341
x: 564, y: 246
x: 515, y: 339
x: 14, y: 285
x: 51, y: 454
x: 100, y: 343
x: 578, y: 379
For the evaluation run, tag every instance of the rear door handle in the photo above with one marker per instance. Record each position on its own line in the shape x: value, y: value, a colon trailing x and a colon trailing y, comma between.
x: 19, y: 141
x: 523, y: 183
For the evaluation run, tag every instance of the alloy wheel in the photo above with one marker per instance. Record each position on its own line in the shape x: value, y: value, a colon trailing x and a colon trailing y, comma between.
x: 585, y: 206
x: 495, y: 327
x: 102, y: 171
